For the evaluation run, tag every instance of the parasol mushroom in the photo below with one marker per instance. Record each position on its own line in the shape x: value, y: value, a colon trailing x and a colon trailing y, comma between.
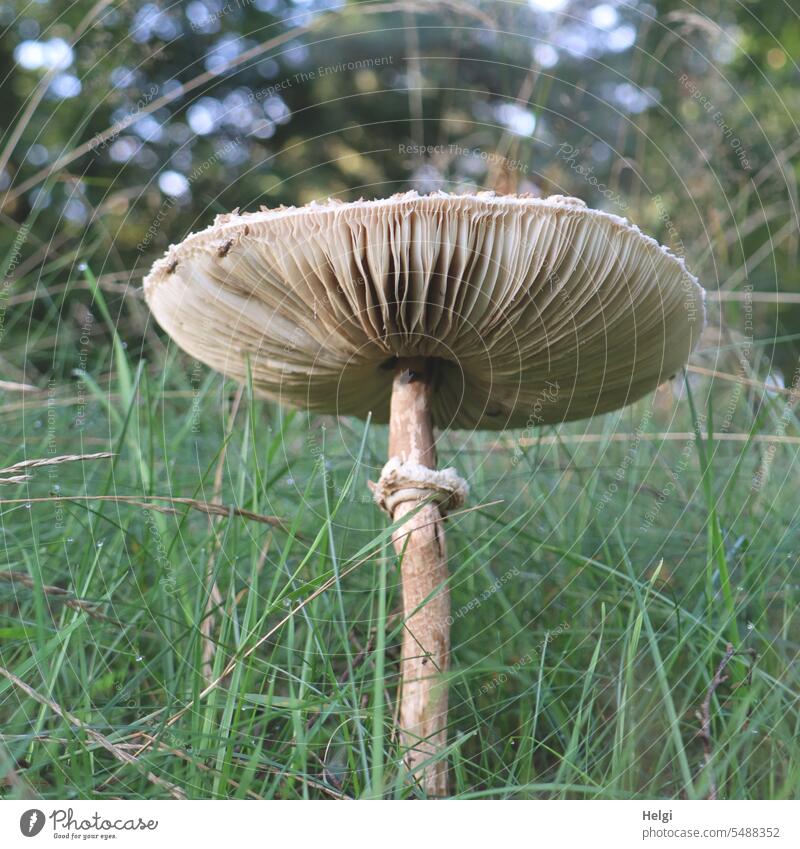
x: 471, y: 311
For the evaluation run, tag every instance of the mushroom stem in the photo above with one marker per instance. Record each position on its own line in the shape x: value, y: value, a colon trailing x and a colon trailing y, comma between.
x: 426, y: 596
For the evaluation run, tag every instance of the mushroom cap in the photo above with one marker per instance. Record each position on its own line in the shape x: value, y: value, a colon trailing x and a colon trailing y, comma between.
x: 535, y: 311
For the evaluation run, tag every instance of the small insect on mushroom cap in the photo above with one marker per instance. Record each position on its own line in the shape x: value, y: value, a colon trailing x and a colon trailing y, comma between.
x: 533, y: 311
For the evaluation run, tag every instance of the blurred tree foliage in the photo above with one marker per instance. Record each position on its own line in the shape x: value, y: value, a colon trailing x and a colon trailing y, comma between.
x: 127, y: 124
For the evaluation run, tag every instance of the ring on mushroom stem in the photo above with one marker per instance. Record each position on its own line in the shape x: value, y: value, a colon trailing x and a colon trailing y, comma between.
x: 471, y: 311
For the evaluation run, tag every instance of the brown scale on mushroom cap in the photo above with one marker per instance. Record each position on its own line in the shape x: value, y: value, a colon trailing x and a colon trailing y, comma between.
x: 534, y: 311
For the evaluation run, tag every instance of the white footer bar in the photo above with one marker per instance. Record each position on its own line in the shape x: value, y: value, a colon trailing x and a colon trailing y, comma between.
x: 385, y: 825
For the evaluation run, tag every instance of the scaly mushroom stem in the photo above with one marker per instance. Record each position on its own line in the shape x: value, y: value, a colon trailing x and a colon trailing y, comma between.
x: 426, y: 596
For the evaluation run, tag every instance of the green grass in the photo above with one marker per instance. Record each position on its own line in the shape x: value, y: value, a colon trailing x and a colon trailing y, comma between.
x: 581, y: 673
